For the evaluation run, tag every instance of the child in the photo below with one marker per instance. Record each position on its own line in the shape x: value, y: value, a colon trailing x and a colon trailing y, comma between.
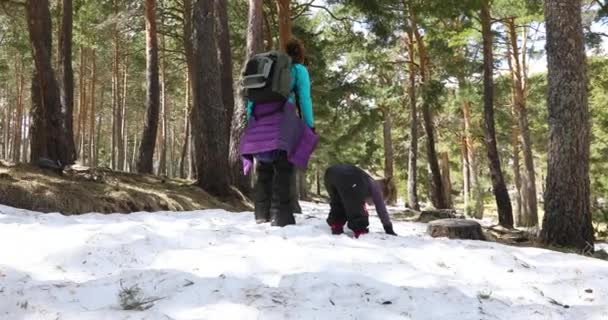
x: 350, y: 188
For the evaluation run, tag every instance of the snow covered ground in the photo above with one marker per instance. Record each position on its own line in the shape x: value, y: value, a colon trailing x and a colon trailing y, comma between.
x: 219, y: 265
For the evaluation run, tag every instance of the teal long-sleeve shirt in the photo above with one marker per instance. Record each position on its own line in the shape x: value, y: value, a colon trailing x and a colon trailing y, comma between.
x: 300, y: 81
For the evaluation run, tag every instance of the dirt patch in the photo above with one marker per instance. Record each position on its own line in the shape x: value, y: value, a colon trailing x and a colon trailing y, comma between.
x: 101, y: 190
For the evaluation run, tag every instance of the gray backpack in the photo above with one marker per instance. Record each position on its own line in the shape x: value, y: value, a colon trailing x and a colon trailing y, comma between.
x: 267, y: 77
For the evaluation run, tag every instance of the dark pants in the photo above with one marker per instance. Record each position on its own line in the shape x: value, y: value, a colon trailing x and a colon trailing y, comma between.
x: 272, y: 192
x: 347, y: 203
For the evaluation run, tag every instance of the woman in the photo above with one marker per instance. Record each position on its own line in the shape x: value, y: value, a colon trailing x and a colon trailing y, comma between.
x: 349, y: 189
x: 280, y: 140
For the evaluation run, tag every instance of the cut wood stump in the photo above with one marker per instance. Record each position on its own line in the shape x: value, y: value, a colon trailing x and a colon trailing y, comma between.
x: 455, y: 229
x: 427, y: 216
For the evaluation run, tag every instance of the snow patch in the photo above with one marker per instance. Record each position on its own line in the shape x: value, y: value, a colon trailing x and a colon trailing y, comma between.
x: 218, y: 265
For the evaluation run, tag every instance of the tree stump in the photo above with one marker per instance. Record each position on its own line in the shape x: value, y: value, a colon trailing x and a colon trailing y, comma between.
x: 455, y: 229
x: 427, y: 216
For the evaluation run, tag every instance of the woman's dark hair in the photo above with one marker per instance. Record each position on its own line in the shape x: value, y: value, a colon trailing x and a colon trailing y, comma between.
x: 295, y: 49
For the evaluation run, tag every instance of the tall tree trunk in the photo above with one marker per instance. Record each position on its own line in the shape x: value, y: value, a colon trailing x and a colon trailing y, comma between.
x: 284, y: 16
x: 284, y: 13
x: 475, y: 189
x: 388, y: 155
x: 162, y: 162
x: 519, y: 209
x: 412, y: 172
x: 466, y: 176
x: 529, y: 203
x: 255, y: 45
x: 25, y: 146
x: 146, y: 149
x: 303, y: 185
x: 98, y: 138
x: 67, y: 74
x: 444, y: 164
x: 438, y: 197
x: 172, y: 151
x: 49, y: 136
x: 505, y: 213
x: 516, y: 168
x: 91, y: 151
x: 208, y: 113
x: 82, y: 120
x: 188, y: 40
x: 225, y: 59
x: 267, y: 30
x: 8, y: 116
x: 127, y: 164
x: 116, y: 98
x: 189, y: 51
x: 186, y: 144
x: 18, y: 131
x: 134, y: 152
x: 567, y: 220
x: 82, y: 93
x: 318, y: 178
x: 124, y: 140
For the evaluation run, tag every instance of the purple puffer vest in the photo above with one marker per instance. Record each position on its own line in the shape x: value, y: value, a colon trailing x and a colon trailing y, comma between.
x: 276, y: 126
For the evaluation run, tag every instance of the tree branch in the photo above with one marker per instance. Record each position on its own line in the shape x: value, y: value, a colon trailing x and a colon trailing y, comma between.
x: 13, y: 2
x: 324, y: 8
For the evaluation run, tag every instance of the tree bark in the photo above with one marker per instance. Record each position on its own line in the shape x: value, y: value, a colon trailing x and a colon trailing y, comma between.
x: 466, y: 176
x: 82, y: 119
x: 18, y: 131
x: 208, y: 112
x: 116, y: 99
x: 82, y: 93
x: 516, y: 168
x: 474, y: 187
x: 284, y: 13
x: 255, y: 45
x: 389, y: 155
x: 518, y: 209
x: 444, y: 164
x: 134, y: 151
x: 148, y: 140
x: 163, y: 141
x: 6, y: 127
x: 225, y: 60
x: 567, y: 220
x: 284, y: 16
x: 505, y: 213
x: 438, y: 197
x: 318, y: 179
x: 91, y: 152
x: 188, y: 40
x: 268, y: 39
x: 529, y: 203
x: 49, y: 136
x: 412, y: 172
x: 186, y: 144
x: 124, y: 128
x: 303, y: 185
x: 67, y: 74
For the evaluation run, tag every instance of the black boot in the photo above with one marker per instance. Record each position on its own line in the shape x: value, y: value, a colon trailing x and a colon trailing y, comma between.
x: 263, y: 191
x: 281, y: 209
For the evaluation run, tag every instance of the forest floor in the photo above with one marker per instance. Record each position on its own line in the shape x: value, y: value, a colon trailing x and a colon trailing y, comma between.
x: 215, y: 264
x: 100, y: 190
